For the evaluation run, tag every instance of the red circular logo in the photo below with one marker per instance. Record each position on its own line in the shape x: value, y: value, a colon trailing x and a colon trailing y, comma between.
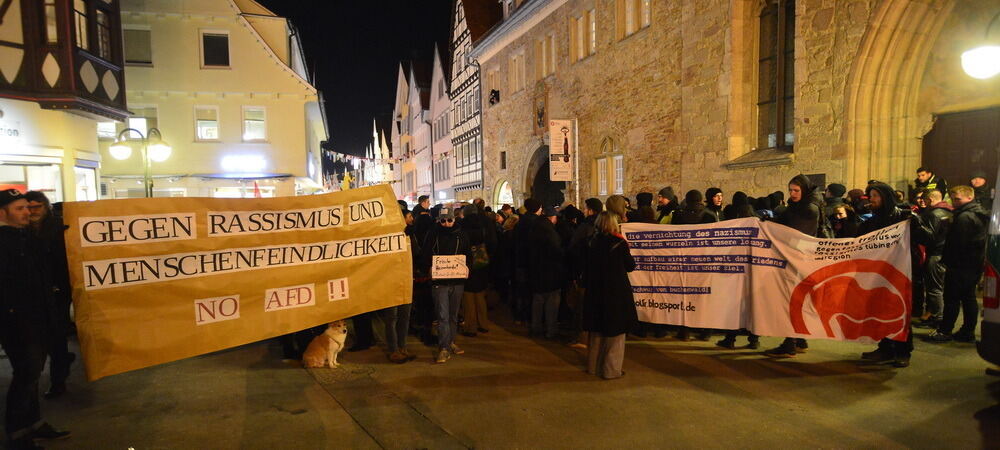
x: 835, y: 294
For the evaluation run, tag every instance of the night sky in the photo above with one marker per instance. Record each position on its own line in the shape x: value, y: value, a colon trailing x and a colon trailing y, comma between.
x: 354, y: 47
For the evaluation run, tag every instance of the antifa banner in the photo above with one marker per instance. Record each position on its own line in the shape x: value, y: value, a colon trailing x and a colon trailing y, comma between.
x: 157, y: 280
x: 773, y: 280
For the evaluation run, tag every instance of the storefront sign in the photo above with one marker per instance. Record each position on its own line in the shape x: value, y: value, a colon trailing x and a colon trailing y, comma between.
x: 10, y: 132
x: 562, y: 149
x: 181, y: 277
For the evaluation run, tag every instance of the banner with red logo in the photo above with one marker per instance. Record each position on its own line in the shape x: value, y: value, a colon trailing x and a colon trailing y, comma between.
x: 773, y: 280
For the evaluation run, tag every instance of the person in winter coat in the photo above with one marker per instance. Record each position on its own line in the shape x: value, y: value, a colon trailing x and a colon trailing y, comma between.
x: 503, y: 263
x: 666, y: 203
x: 482, y: 237
x: 833, y: 196
x: 885, y: 212
x: 982, y: 190
x: 803, y: 213
x: 935, y: 219
x: 694, y: 211
x: 546, y: 274
x: 397, y: 318
x: 644, y: 212
x: 963, y: 256
x: 522, y: 244
x: 713, y: 202
x: 446, y: 238
x: 609, y: 308
x: 740, y: 208
x: 617, y: 204
x: 577, y: 257
x: 927, y: 179
x: 844, y: 221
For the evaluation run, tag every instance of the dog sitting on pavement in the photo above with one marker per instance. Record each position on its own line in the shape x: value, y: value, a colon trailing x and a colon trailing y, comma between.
x: 323, y: 350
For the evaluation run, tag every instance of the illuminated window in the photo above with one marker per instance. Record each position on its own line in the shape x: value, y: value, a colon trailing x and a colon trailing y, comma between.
x: 619, y: 174
x: 632, y: 16
x: 80, y: 23
x: 602, y: 176
x: 776, y: 76
x: 103, y: 35
x: 51, y: 25
x: 254, y: 123
x: 583, y: 35
x: 207, y: 123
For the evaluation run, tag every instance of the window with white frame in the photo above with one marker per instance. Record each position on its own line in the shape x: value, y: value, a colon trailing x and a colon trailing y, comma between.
x: 215, y: 49
x: 206, y: 121
x: 632, y: 16
x: 254, y: 123
x: 602, y: 176
x: 619, y: 161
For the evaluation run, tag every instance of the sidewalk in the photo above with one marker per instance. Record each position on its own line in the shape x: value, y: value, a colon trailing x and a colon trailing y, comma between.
x: 509, y: 391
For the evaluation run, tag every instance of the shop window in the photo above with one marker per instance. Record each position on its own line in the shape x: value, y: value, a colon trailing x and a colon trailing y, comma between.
x: 51, y: 22
x: 80, y: 24
x: 138, y: 47
x: 254, y: 123
x: 86, y: 184
x: 207, y: 123
x: 104, y: 49
x: 776, y: 76
x: 215, y: 49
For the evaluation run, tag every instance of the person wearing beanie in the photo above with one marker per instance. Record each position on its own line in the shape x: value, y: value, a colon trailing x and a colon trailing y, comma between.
x: 446, y: 239
x: 833, y: 198
x: 713, y: 202
x: 644, y: 212
x: 26, y: 310
x: 546, y: 274
x: 666, y: 203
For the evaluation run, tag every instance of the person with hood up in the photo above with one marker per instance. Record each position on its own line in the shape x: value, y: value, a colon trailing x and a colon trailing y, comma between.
x: 740, y: 208
x: 713, y: 202
x: 644, y: 212
x: 803, y: 213
x: 666, y: 203
x: 446, y: 238
x: 963, y: 256
x: 546, y: 274
x: 885, y: 212
x: 844, y: 221
x: 483, y: 239
x: 609, y: 307
x: 984, y: 194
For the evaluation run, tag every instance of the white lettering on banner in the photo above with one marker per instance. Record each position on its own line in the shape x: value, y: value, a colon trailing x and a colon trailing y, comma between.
x: 449, y: 267
x: 110, y: 273
x: 366, y: 210
x: 217, y: 309
x: 234, y: 223
x: 772, y: 279
x: 289, y: 297
x: 338, y: 289
x: 98, y: 231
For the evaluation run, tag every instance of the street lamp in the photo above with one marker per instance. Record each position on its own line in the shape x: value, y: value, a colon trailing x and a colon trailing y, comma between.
x: 154, y: 149
x: 983, y: 62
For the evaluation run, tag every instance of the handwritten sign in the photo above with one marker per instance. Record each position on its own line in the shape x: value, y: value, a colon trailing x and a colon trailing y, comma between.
x: 445, y: 267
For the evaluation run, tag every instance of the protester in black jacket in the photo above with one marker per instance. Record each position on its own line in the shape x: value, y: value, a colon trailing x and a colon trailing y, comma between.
x: 609, y: 307
x: 26, y: 315
x: 447, y: 238
x: 963, y: 256
x: 666, y: 203
x: 522, y: 244
x: 713, y: 202
x: 844, y: 221
x: 885, y: 212
x: 802, y: 213
x: 694, y: 211
x: 739, y: 209
x: 982, y: 190
x: 935, y: 219
x: 482, y: 237
x: 546, y: 274
x: 577, y: 258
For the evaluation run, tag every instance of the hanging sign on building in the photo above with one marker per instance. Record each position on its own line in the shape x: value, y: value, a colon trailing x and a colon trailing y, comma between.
x: 772, y: 280
x: 562, y: 149
x: 176, y: 278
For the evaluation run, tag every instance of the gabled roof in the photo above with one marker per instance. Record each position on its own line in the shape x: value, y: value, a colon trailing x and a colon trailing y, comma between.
x: 481, y: 15
x: 422, y: 72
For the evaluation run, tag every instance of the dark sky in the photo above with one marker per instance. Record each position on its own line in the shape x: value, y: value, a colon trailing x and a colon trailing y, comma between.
x: 354, y: 47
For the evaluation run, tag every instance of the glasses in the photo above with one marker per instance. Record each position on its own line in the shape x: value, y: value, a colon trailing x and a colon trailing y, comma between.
x: 446, y: 220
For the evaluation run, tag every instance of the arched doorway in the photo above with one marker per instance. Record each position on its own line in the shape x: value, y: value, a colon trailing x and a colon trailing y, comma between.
x: 537, y: 183
x: 503, y: 194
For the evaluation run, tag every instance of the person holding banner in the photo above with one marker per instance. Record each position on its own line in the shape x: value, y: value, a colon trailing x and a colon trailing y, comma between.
x: 694, y: 212
x: 26, y: 314
x: 608, y: 304
x: 804, y: 212
x: 448, y: 277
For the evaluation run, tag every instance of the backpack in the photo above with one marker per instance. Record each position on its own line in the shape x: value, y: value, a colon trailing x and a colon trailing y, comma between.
x: 824, y: 229
x: 480, y: 256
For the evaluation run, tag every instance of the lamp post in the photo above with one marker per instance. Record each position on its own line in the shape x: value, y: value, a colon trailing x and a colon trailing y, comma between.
x: 983, y: 62
x: 154, y: 149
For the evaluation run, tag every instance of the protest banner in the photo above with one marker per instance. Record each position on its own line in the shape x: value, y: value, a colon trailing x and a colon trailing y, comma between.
x: 773, y: 280
x: 157, y: 280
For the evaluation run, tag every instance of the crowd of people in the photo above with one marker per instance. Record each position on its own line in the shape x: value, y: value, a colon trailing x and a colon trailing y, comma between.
x: 563, y: 272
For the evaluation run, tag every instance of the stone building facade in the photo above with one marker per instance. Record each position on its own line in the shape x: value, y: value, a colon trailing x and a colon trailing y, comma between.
x: 667, y: 92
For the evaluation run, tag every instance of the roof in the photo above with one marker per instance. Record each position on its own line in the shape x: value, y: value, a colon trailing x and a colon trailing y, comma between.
x: 481, y: 15
x: 422, y: 72
x: 383, y: 123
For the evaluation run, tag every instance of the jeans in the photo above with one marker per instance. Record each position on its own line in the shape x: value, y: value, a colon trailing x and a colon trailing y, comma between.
x: 26, y: 346
x: 934, y: 286
x: 547, y: 303
x: 960, y: 292
x: 447, y: 298
x: 397, y: 326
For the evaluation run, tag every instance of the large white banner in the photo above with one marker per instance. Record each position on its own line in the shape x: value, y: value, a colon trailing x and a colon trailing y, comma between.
x: 773, y: 280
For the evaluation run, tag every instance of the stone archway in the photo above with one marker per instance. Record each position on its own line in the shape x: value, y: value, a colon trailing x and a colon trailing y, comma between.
x: 883, y: 131
x: 537, y: 184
